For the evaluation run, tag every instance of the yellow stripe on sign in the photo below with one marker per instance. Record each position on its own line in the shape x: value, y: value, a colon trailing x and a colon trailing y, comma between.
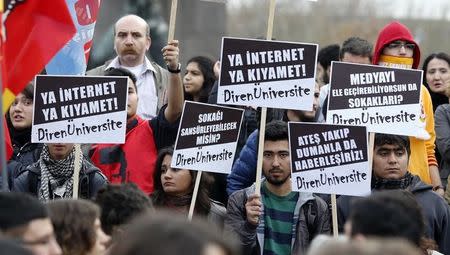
x: 1, y: 5
x: 7, y: 99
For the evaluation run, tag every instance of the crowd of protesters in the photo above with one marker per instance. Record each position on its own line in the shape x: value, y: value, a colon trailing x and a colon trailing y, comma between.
x: 131, y: 201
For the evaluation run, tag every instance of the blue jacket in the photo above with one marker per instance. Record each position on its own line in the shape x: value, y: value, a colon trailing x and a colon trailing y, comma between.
x: 243, y: 172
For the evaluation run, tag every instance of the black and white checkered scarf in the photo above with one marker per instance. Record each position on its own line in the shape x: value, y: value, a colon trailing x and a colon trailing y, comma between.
x: 56, y: 174
x: 402, y: 183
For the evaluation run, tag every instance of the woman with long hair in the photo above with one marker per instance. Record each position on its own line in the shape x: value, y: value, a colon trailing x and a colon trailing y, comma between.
x: 19, y: 119
x: 198, y: 79
x: 436, y: 70
x: 174, y: 188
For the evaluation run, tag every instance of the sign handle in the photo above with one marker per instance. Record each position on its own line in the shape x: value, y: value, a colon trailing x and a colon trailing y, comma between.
x: 76, y: 171
x: 194, y: 195
x: 173, y: 17
x: 334, y: 215
x: 270, y: 19
x: 262, y: 123
x: 371, y: 146
x: 262, y: 131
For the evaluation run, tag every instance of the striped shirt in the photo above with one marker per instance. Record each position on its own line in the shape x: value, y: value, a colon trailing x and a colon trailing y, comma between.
x: 278, y: 220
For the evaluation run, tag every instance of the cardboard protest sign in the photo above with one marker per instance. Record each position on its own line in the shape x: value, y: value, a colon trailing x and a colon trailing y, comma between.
x: 330, y: 159
x: 386, y: 100
x: 207, y: 137
x: 267, y: 73
x: 79, y: 109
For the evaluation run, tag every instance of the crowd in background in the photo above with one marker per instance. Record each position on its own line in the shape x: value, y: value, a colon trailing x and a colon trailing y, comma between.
x: 131, y: 201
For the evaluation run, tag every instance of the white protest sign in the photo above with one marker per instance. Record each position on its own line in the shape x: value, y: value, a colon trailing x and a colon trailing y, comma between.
x: 79, y: 109
x: 330, y: 159
x: 386, y: 100
x: 207, y: 137
x: 267, y: 73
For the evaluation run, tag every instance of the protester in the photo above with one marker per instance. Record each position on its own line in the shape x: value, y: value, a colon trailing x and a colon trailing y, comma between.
x: 279, y: 220
x: 25, y: 219
x: 198, y: 79
x: 120, y: 204
x: 390, y: 171
x: 243, y: 172
x: 19, y: 119
x: 77, y: 227
x: 442, y: 125
x: 396, y: 47
x: 383, y: 246
x: 134, y: 161
x: 401, y: 214
x: 51, y: 177
x: 166, y: 233
x: 131, y: 42
x: 174, y: 188
x: 436, y: 69
x: 324, y: 58
x: 198, y: 82
x: 353, y: 50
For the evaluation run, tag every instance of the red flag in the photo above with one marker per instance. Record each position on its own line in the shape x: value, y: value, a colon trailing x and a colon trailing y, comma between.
x: 33, y: 32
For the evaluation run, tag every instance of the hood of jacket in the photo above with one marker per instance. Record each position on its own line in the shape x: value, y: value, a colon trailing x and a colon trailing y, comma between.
x: 395, y: 31
x: 418, y: 185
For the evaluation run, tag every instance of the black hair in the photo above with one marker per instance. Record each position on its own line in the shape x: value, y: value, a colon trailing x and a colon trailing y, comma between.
x: 160, y: 198
x: 276, y: 130
x: 18, y: 209
x: 205, y: 65
x: 402, y: 141
x: 436, y: 98
x: 28, y: 91
x: 167, y: 233
x: 328, y: 54
x: 356, y: 46
x: 122, y: 72
x: 11, y: 247
x: 120, y: 204
x: 390, y: 213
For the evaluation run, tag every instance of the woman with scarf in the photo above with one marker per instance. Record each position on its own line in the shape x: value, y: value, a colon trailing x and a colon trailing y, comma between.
x: 19, y: 118
x: 51, y: 177
x: 174, y: 188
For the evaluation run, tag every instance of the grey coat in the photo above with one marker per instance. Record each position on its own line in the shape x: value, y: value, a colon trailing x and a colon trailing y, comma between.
x: 442, y: 128
x: 308, y: 223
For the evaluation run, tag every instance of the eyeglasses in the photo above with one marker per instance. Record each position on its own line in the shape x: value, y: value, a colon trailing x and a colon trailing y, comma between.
x: 399, y: 45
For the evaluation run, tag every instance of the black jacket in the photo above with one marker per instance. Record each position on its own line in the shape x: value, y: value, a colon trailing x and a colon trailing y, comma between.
x: 91, y: 180
x: 21, y: 158
x: 435, y: 211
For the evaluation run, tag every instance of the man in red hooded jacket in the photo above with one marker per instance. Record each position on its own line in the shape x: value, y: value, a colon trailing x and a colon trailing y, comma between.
x: 395, y: 47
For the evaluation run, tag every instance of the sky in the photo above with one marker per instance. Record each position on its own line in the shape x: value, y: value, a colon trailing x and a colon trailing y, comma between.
x: 426, y: 9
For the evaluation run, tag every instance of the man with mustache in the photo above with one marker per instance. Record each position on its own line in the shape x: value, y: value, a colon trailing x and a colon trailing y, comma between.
x: 131, y: 41
x: 279, y: 221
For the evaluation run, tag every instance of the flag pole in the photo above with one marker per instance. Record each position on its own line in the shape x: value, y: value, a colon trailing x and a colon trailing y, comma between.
x: 5, y: 186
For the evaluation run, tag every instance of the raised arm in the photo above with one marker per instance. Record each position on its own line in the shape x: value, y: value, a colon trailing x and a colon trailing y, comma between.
x: 175, y: 88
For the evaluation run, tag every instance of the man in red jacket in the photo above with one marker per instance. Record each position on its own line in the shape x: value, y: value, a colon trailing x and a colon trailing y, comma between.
x: 134, y: 161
